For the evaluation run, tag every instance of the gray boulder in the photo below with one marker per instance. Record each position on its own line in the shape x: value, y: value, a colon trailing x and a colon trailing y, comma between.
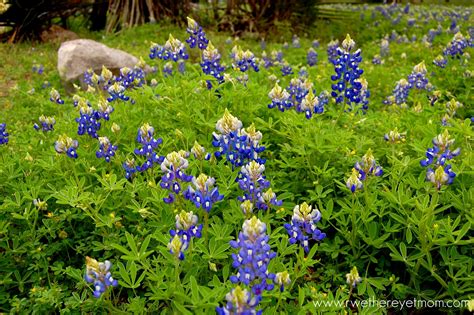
x: 77, y: 56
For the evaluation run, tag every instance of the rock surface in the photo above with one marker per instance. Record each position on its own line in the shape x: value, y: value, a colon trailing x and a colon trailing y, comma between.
x: 76, y: 56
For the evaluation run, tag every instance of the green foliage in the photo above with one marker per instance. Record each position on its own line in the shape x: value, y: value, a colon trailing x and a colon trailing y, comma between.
x: 407, y: 239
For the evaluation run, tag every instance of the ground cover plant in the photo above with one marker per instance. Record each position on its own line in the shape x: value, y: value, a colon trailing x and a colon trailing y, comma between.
x: 244, y: 176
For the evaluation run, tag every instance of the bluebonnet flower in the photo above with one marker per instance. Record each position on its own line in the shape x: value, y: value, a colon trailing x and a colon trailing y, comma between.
x: 443, y: 175
x: 367, y: 166
x: 354, y: 181
x: 177, y: 246
x: 173, y: 49
x: 168, y: 69
x: 393, y: 136
x: 411, y: 22
x: 456, y: 47
x: 66, y: 145
x: 88, y: 122
x: 197, y: 37
x: 99, y: 274
x: 417, y: 77
x: 211, y: 63
x: 46, y: 84
x: 315, y: 43
x: 106, y: 78
x: 285, y: 45
x: 277, y: 55
x: 106, y: 149
x: 146, y: 137
x: 440, y: 61
x: 348, y: 89
x: 252, y: 181
x: 38, y: 68
x: 286, y: 69
x: 240, y: 301
x: 267, y: 61
x: 130, y: 168
x: 181, y: 66
x: 332, y: 51
x: 204, y: 195
x: 243, y: 60
x: 104, y: 110
x: 91, y: 78
x: 452, y: 106
x: 282, y: 279
x: 311, y: 105
x: 364, y: 94
x: 298, y: 89
x: 280, y: 98
x: 312, y: 57
x: 199, y: 152
x: 440, y: 152
x: 400, y: 93
x: 252, y: 147
x: 295, y: 41
x: 3, y: 134
x: 353, y: 277
x: 117, y: 91
x: 303, y: 72
x: 263, y: 44
x: 438, y: 156
x: 132, y: 78
x: 303, y: 228
x: 55, y: 97
x: 253, y: 257
x: 234, y: 143
x: 173, y: 167
x: 46, y: 123
x: 376, y: 60
x: 384, y: 47
x: 186, y: 228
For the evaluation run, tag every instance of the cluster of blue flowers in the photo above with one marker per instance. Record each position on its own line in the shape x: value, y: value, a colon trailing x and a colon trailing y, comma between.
x: 440, y: 172
x: 37, y: 68
x: 236, y: 144
x: 197, y: 37
x: 149, y: 144
x: 88, y: 121
x: 98, y: 273
x: 66, y: 145
x: 46, y: 123
x: 204, y: 195
x: 173, y: 49
x: 455, y: 49
x: 243, y: 60
x: 300, y: 95
x: 253, y: 183
x: 362, y: 170
x: 240, y: 301
x: 417, y: 78
x: 106, y: 149
x: 173, y: 167
x: 332, y: 51
x: 186, y: 228
x: 55, y: 97
x: 254, y: 255
x: 312, y: 57
x: 3, y: 134
x: 275, y: 58
x: 132, y: 78
x: 211, y: 63
x: 400, y: 94
x: 349, y: 89
x: 302, y: 228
